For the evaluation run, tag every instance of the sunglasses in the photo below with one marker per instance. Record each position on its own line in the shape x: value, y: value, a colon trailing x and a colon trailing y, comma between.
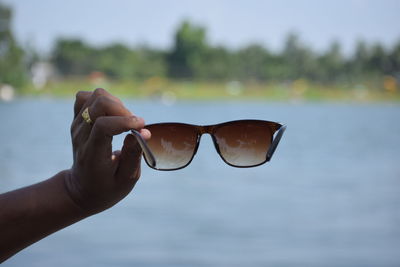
x: 241, y: 143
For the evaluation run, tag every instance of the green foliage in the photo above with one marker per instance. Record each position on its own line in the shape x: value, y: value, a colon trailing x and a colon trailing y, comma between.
x: 186, y: 59
x: 193, y: 58
x: 394, y: 59
x: 149, y: 63
x: 73, y: 57
x: 117, y: 61
x: 217, y: 64
x: 12, y: 70
x: 251, y: 62
x: 334, y: 65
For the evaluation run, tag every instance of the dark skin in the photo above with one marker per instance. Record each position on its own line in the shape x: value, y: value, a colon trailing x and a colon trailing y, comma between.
x: 99, y: 178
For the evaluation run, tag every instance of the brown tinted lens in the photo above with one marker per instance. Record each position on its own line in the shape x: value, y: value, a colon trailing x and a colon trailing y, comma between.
x: 173, y: 144
x: 244, y: 144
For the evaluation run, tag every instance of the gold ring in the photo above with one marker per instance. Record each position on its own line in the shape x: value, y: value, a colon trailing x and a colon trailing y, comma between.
x: 86, y: 116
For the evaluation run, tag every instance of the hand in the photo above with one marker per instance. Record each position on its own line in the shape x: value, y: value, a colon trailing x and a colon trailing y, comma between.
x: 99, y: 178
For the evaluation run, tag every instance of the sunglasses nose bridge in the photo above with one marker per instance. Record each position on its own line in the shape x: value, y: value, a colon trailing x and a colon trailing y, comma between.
x: 206, y: 129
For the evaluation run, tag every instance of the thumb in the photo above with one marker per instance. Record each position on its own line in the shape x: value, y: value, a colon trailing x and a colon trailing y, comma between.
x: 129, y: 160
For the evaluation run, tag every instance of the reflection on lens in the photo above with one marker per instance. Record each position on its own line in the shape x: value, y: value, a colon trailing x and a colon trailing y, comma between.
x: 244, y: 144
x: 172, y: 144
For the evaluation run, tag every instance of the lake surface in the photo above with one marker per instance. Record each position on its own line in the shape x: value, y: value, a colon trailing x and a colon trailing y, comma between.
x: 329, y: 197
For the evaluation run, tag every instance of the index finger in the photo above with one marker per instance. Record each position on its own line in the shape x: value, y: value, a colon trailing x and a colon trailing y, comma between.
x: 81, y: 98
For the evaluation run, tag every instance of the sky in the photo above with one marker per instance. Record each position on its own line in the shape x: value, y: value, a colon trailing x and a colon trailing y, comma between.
x: 232, y: 23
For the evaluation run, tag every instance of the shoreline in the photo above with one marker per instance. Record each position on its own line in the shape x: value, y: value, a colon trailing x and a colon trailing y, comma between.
x: 172, y: 91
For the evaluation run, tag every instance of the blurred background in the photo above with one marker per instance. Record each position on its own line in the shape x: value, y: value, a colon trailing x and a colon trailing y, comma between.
x: 329, y: 70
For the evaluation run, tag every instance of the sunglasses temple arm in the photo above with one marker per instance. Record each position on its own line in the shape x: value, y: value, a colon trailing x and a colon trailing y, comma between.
x: 275, y: 142
x: 146, y: 150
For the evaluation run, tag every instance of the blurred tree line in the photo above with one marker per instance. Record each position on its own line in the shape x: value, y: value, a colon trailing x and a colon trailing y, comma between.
x: 12, y: 65
x: 192, y: 57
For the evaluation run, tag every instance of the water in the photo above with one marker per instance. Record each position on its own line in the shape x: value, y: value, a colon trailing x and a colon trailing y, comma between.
x: 329, y: 197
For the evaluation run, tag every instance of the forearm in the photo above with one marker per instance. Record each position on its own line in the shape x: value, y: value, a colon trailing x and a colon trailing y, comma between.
x: 31, y: 213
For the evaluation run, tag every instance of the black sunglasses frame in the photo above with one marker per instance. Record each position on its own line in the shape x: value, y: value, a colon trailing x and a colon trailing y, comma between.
x: 277, y: 130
